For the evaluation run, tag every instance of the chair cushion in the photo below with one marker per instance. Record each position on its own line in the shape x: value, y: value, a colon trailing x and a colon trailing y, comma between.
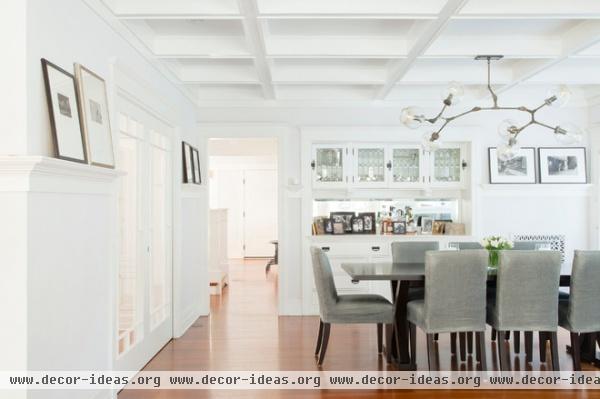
x: 360, y: 308
x: 416, y: 312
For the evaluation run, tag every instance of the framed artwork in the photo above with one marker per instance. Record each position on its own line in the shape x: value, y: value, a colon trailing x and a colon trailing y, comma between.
x: 343, y: 217
x: 338, y: 228
x: 369, y: 222
x: 95, y: 120
x: 426, y: 225
x: 188, y: 165
x: 196, y: 168
x: 562, y: 165
x: 358, y: 225
x: 438, y: 227
x: 328, y: 226
x: 61, y: 96
x: 399, y: 227
x: 454, y: 229
x: 518, y: 170
x: 319, y: 226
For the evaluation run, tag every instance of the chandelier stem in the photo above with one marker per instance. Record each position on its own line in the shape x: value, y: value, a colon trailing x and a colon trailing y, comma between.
x: 489, y: 85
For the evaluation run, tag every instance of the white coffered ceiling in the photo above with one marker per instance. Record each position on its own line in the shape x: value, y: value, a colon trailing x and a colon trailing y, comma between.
x: 384, y: 50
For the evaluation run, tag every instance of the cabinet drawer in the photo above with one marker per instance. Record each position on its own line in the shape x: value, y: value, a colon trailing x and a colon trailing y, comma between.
x: 362, y: 249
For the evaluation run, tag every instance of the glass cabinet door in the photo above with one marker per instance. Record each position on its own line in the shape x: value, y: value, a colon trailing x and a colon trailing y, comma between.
x: 406, y: 165
x: 329, y: 165
x: 446, y: 165
x: 369, y: 165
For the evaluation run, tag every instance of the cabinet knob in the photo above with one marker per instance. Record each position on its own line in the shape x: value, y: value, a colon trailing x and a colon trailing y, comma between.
x: 464, y: 164
x: 325, y: 249
x: 312, y: 165
x: 375, y: 249
x: 389, y: 165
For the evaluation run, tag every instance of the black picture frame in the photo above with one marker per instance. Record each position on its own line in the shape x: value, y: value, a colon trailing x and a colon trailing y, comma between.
x: 358, y: 225
x: 529, y: 178
x: 197, y: 176
x: 345, y: 218
x: 71, y: 106
x: 398, y: 228
x: 187, y: 163
x: 328, y: 224
x: 369, y: 220
x: 542, y: 165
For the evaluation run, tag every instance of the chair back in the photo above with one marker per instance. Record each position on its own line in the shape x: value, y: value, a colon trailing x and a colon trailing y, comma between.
x: 527, y: 245
x: 466, y: 245
x: 412, y: 252
x: 326, y: 291
x: 527, y: 291
x: 455, y: 287
x: 584, y: 300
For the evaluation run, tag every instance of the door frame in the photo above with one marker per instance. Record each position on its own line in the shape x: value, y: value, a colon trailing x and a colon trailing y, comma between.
x: 247, y: 131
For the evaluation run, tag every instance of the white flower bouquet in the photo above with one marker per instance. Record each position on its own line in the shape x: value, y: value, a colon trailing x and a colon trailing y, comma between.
x: 494, y: 244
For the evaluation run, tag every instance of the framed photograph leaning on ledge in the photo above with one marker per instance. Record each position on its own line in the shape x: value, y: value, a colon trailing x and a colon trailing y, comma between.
x: 562, y: 165
x: 518, y: 170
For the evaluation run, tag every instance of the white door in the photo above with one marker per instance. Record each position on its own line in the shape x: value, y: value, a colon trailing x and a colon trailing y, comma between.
x: 229, y: 191
x: 144, y: 314
x: 260, y: 212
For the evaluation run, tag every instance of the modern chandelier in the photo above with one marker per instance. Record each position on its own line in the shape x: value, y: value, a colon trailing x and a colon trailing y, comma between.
x: 508, y: 129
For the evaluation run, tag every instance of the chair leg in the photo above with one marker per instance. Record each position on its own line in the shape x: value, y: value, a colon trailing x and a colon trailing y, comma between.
x: 470, y: 343
x: 326, y: 328
x: 502, y: 353
x: 389, y: 330
x: 528, y: 346
x: 379, y: 338
x: 453, y: 343
x: 319, y: 337
x: 436, y: 336
x: 431, y: 353
x: 493, y: 334
x: 480, y: 343
x: 542, y: 338
x: 517, y: 341
x: 507, y: 335
x: 413, y: 343
x: 554, y: 351
x: 463, y: 349
x: 576, y: 351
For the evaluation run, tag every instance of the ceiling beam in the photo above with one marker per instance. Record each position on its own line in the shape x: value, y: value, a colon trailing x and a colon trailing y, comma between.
x: 256, y: 44
x: 423, y: 41
x: 577, y: 39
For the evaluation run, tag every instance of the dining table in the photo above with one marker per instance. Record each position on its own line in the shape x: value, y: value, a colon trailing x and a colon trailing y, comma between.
x: 402, y: 277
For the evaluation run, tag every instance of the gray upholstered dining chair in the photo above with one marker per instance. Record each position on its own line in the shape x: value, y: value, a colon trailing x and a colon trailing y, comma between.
x: 579, y: 312
x: 461, y: 245
x: 346, y: 309
x: 455, y: 291
x: 526, y: 298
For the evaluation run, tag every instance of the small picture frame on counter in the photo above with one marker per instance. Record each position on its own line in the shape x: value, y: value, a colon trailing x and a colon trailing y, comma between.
x: 399, y: 227
x: 358, y: 225
x: 318, y: 226
x: 454, y: 229
x: 338, y: 228
x: 438, y: 227
x: 369, y: 222
x: 328, y: 226
x: 426, y: 225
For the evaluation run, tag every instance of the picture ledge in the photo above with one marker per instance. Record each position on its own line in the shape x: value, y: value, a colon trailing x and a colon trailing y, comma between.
x: 30, y: 164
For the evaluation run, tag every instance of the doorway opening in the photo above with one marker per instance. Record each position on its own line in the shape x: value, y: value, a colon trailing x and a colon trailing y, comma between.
x: 243, y: 230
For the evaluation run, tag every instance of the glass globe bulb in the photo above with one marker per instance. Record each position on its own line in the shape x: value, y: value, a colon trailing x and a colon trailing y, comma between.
x: 558, y: 96
x: 453, y: 93
x: 410, y: 117
x: 568, y: 133
x: 507, y: 128
x: 507, y: 151
x: 429, y: 145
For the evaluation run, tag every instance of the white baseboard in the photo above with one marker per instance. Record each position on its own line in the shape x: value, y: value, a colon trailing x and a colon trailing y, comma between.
x: 190, y: 316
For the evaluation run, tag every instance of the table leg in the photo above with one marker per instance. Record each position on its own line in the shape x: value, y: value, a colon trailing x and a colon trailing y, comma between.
x: 401, y: 333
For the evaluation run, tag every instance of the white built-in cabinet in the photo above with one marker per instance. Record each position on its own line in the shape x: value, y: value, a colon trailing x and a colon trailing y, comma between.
x: 385, y: 165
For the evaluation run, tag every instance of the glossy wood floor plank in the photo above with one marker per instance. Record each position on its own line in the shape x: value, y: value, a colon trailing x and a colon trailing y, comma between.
x: 243, y: 332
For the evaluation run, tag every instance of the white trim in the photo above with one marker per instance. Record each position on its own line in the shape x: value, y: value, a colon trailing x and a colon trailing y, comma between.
x: 190, y: 315
x: 536, y: 190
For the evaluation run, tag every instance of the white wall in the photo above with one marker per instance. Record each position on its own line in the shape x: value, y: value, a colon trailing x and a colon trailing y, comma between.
x: 528, y: 210
x: 70, y: 237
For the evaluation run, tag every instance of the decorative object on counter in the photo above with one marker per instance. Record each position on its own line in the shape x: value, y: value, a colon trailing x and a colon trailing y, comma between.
x: 188, y: 164
x: 494, y: 244
x: 518, y: 170
x: 408, y: 215
x: 358, y: 225
x: 454, y: 229
x: 343, y: 217
x: 62, y: 99
x: 426, y: 225
x: 562, y: 165
x: 338, y: 228
x: 369, y: 222
x: 508, y: 129
x: 318, y: 226
x: 438, y: 227
x: 196, y: 162
x: 95, y: 119
x: 399, y: 227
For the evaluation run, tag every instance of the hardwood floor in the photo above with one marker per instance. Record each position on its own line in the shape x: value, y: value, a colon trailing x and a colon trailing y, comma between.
x: 243, y: 332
